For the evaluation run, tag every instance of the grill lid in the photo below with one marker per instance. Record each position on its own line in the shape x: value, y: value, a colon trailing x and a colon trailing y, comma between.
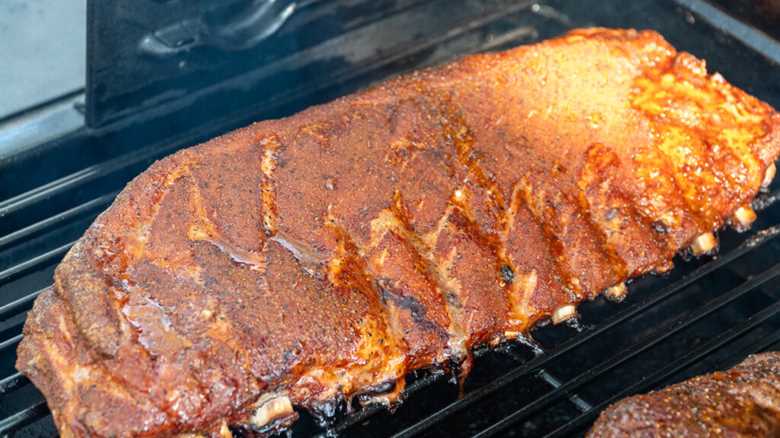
x: 149, y: 54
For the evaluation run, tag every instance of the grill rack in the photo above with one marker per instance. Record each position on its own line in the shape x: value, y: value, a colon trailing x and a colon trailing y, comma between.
x: 748, y: 263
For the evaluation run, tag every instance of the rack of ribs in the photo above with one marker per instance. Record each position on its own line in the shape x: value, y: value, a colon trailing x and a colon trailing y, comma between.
x: 312, y: 259
x: 741, y: 402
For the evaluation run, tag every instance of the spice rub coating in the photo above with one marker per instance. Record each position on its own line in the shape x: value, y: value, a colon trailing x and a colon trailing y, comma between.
x: 741, y: 402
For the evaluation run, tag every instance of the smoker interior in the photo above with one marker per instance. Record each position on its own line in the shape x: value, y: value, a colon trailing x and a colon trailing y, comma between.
x: 706, y: 314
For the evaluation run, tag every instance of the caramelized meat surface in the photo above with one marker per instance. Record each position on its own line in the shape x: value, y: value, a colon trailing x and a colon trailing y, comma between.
x: 741, y: 402
x: 308, y: 259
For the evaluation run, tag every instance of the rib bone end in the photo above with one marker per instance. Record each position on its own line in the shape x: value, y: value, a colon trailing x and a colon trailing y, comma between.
x: 743, y: 218
x: 704, y: 244
x: 272, y: 409
x: 564, y: 313
x: 224, y: 431
x: 616, y: 293
x: 771, y: 170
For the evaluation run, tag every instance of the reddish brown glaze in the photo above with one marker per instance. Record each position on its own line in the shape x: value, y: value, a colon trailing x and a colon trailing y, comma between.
x: 741, y: 402
x: 327, y: 254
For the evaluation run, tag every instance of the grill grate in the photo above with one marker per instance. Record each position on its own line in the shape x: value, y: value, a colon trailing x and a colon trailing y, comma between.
x: 706, y: 314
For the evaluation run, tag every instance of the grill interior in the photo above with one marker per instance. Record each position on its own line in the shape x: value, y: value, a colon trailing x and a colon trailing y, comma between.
x: 705, y: 314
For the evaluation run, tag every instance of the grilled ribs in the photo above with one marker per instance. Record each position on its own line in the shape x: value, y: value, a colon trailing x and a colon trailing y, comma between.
x: 741, y: 402
x: 325, y: 255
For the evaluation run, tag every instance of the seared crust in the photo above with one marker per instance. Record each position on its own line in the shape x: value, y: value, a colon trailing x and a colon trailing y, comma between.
x: 323, y: 255
x: 741, y: 402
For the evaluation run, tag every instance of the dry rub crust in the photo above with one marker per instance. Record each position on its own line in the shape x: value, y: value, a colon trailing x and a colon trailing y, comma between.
x: 326, y: 254
x: 741, y: 402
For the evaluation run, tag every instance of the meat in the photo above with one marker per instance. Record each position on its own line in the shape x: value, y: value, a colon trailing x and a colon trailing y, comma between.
x: 301, y: 261
x: 741, y: 402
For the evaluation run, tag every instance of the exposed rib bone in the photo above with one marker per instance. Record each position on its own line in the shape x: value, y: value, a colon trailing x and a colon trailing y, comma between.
x: 271, y: 408
x: 743, y: 218
x: 703, y: 244
x: 616, y: 293
x: 771, y: 170
x: 564, y: 313
x: 224, y: 431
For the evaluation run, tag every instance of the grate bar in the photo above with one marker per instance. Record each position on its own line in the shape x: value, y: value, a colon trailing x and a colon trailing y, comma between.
x: 22, y: 418
x: 58, y: 218
x: 10, y: 342
x: 13, y: 325
x: 666, y: 372
x: 631, y: 352
x: 745, y: 247
x: 745, y: 33
x: 553, y: 381
x: 37, y: 260
x: 83, y: 176
x: 12, y: 383
x: 768, y: 341
x: 20, y: 305
x: 757, y: 346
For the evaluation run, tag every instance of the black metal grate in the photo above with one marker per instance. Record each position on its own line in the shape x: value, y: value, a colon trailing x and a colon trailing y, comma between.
x: 706, y: 314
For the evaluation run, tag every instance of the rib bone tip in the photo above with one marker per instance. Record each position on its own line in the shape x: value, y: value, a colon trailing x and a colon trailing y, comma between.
x: 224, y: 431
x: 512, y: 334
x: 744, y: 217
x: 564, y: 313
x: 616, y: 293
x: 771, y: 170
x: 703, y: 244
x: 272, y: 409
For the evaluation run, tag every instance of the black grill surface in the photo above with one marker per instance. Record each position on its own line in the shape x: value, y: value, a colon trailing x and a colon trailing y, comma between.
x: 706, y: 314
